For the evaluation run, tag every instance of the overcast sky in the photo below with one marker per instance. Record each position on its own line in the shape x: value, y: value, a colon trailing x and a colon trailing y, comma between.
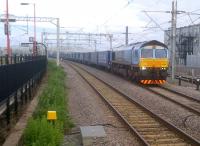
x: 105, y: 16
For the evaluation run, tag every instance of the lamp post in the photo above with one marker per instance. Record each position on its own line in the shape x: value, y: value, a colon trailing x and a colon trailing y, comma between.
x: 34, y: 40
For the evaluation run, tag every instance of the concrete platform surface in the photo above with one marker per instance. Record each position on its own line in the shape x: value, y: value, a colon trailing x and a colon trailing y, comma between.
x: 93, y: 131
x: 93, y: 135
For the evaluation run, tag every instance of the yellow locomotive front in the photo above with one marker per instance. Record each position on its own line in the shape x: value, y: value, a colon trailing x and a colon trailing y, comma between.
x: 153, y: 63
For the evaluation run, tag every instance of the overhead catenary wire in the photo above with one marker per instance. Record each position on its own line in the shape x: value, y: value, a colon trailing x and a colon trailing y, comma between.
x: 183, y: 14
x: 158, y: 26
x: 116, y: 13
x: 149, y: 29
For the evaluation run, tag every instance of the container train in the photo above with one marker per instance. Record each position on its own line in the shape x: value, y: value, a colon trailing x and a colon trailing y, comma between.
x: 145, y: 62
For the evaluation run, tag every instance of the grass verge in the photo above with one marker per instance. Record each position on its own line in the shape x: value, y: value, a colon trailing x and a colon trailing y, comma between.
x: 40, y: 132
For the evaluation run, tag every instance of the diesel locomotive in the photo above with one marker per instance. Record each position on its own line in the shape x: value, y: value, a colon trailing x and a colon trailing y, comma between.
x: 145, y: 62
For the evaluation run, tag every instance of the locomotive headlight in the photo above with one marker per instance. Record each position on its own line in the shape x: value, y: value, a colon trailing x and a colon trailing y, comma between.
x: 143, y: 68
x: 163, y: 68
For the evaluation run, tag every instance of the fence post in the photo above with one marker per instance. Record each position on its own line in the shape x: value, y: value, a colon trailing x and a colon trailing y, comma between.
x: 16, y: 102
x: 22, y: 94
x: 32, y: 90
x: 8, y: 99
x: 25, y: 93
x: 29, y: 89
x: 193, y: 76
x: 15, y: 59
x: 1, y: 60
x: 197, y: 83
x: 8, y: 110
x: 21, y: 58
x: 11, y: 59
x: 179, y: 80
x: 6, y: 59
x: 15, y: 96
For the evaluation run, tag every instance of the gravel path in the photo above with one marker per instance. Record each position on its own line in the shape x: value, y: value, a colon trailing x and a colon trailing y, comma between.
x: 173, y: 113
x: 87, y: 108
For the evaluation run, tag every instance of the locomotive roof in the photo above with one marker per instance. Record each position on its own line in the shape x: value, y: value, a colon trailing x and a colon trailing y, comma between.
x: 153, y: 42
x: 139, y: 45
x: 145, y: 43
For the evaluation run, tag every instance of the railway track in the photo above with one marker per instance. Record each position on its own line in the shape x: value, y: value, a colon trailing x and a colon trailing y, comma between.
x: 187, y: 102
x: 149, y: 127
x: 181, y: 94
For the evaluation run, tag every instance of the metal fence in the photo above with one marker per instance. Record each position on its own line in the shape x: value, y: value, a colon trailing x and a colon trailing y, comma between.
x: 187, y: 71
x: 19, y: 73
x: 193, y: 61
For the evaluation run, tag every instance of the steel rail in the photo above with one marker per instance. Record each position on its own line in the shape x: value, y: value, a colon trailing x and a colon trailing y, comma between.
x: 181, y: 94
x: 184, y: 105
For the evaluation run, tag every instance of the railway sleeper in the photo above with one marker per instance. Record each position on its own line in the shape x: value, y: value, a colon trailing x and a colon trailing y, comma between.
x: 131, y: 112
x: 140, y: 118
x: 194, y: 106
x: 147, y: 125
x: 125, y: 106
x: 121, y: 105
x: 175, y: 144
x: 152, y: 129
x: 141, y: 122
x: 165, y: 141
x: 130, y: 109
x: 136, y: 112
x: 160, y: 136
x: 118, y: 102
x: 156, y: 132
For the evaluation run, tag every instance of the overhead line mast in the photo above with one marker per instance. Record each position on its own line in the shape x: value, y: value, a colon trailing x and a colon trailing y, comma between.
x: 7, y: 31
x: 173, y: 36
x: 174, y: 13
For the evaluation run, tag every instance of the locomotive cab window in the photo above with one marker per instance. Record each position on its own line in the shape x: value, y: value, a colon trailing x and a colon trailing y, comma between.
x: 147, y: 53
x: 160, y: 53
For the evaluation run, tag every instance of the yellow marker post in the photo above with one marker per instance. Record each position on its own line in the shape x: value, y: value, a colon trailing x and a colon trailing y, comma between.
x: 52, y: 116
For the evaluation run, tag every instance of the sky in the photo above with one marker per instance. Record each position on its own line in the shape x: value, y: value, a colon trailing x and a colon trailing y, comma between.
x: 101, y: 16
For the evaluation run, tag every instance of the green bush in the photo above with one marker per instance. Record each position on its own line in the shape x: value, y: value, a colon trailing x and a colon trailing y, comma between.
x: 39, y: 131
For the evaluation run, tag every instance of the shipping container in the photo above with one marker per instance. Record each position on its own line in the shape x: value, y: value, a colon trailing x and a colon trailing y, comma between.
x: 94, y: 57
x: 81, y: 57
x: 105, y: 58
x: 87, y: 57
x: 124, y: 56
